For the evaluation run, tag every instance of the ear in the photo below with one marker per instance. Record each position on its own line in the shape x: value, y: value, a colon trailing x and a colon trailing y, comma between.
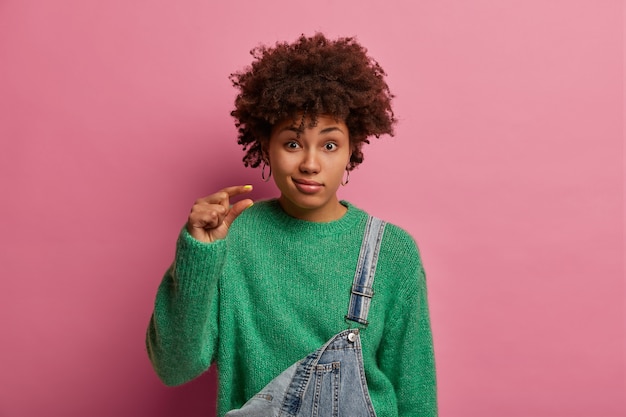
x: 265, y: 154
x: 353, y: 148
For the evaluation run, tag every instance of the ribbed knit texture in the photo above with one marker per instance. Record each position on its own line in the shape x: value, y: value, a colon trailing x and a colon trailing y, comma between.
x: 275, y: 290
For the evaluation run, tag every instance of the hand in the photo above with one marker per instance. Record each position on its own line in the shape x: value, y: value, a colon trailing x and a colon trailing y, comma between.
x: 211, y: 216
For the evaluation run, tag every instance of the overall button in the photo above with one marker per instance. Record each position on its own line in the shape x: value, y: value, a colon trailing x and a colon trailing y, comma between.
x: 352, y: 337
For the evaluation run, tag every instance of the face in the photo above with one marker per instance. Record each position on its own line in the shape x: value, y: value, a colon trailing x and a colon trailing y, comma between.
x: 308, y: 166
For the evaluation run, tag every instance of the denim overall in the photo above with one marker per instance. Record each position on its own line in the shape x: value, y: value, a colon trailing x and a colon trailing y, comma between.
x: 331, y: 380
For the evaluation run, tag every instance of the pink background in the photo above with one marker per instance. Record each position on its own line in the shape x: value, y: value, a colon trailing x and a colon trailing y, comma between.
x: 507, y: 167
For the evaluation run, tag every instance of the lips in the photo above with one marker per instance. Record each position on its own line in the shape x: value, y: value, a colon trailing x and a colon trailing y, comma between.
x: 307, y: 186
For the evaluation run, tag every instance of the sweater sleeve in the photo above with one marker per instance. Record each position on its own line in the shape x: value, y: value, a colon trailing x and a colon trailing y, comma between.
x: 407, y: 354
x: 182, y: 334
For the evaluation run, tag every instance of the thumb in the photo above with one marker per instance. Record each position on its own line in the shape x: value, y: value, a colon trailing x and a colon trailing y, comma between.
x: 236, y: 210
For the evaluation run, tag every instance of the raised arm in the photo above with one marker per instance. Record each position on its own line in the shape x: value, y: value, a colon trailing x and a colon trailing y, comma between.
x: 182, y: 334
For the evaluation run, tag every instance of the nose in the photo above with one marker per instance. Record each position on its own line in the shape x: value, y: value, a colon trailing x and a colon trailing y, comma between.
x: 310, y: 162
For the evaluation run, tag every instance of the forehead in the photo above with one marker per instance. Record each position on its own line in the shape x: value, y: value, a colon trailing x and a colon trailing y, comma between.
x: 301, y: 123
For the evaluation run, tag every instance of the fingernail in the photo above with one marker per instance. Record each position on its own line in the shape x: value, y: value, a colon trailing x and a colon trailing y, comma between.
x: 251, y: 204
x: 247, y: 187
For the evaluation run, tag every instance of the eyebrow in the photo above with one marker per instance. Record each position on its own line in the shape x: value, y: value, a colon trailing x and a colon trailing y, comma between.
x: 322, y: 132
x: 331, y: 129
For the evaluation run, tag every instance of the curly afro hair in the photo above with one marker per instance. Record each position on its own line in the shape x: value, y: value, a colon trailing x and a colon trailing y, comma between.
x: 312, y: 76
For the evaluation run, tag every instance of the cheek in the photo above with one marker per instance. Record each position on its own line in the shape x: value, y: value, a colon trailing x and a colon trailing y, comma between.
x: 338, y: 166
x: 282, y: 162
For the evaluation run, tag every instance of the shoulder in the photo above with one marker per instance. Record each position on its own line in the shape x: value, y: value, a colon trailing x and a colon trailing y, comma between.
x: 261, y: 211
x: 397, y: 237
x: 400, y: 264
x: 397, y: 244
x: 399, y: 268
x: 399, y: 251
x: 261, y: 207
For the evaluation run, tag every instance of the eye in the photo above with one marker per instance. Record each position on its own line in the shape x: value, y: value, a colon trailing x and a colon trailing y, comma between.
x: 292, y: 144
x: 330, y: 146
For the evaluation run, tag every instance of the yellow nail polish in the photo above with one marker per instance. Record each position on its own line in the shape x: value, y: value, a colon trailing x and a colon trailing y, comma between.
x: 247, y: 187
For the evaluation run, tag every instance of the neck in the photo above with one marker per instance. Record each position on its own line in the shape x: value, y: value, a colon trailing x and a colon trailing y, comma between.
x: 333, y: 210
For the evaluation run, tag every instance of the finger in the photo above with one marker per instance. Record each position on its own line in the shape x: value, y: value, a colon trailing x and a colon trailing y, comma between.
x: 229, y: 192
x: 236, y: 210
x: 237, y: 189
x: 200, y: 208
x: 222, y: 197
x: 207, y: 218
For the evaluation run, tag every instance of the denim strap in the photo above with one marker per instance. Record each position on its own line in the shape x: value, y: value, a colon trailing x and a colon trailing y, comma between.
x: 362, y: 292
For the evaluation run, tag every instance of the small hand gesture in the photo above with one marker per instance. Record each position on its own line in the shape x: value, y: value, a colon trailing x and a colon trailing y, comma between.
x: 211, y: 216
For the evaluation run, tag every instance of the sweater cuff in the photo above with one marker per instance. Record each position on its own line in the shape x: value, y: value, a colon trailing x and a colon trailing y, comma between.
x: 197, y: 265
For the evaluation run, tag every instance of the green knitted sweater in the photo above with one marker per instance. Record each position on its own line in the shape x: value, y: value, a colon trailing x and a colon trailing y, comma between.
x: 275, y: 290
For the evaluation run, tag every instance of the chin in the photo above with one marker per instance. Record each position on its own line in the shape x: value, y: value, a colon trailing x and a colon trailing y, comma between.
x: 306, y: 202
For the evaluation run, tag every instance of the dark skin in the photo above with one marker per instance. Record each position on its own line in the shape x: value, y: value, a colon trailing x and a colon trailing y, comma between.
x: 308, y: 167
x: 211, y: 216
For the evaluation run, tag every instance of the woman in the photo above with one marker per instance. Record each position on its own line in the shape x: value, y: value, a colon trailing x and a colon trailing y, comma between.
x: 271, y: 291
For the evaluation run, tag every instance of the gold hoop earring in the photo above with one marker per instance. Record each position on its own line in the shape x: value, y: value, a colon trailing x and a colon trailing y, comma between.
x: 266, y: 179
x: 347, y: 179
